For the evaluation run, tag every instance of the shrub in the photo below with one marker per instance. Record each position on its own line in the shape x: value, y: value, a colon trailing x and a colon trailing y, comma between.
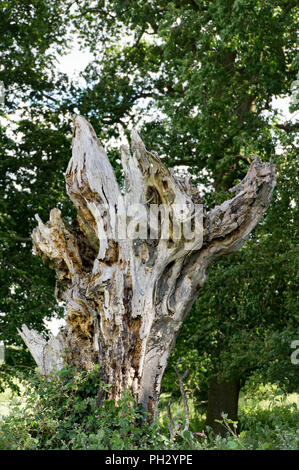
x: 65, y: 411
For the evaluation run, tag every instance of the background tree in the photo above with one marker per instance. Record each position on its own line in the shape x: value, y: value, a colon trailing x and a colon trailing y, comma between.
x: 246, y: 317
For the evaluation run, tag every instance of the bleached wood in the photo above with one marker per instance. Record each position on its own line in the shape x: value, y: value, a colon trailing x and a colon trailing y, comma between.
x: 126, y: 299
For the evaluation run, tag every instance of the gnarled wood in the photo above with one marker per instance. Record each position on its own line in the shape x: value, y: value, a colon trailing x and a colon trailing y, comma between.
x: 126, y: 297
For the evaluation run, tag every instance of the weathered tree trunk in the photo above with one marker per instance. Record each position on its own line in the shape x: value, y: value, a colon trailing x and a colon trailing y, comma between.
x: 223, y: 397
x: 126, y: 297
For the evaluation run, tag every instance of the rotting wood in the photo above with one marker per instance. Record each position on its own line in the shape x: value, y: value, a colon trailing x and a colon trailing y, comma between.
x: 126, y: 298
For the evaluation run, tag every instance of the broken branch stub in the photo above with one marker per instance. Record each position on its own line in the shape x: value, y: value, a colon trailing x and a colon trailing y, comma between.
x: 131, y: 264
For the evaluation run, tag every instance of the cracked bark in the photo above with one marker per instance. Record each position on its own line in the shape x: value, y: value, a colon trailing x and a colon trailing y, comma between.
x: 126, y: 299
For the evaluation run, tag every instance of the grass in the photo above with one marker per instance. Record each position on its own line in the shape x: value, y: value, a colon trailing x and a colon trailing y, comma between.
x: 265, y: 397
